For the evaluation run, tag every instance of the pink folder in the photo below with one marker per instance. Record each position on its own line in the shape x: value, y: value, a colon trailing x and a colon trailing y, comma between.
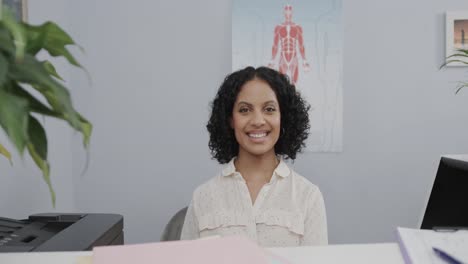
x: 225, y: 250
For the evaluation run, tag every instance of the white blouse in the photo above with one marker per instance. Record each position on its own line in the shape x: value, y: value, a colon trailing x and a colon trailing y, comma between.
x: 288, y: 211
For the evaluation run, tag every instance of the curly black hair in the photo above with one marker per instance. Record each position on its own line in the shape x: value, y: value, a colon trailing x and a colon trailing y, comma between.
x: 294, y: 114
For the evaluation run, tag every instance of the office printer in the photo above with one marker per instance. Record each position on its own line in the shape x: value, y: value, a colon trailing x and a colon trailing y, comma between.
x: 60, y: 232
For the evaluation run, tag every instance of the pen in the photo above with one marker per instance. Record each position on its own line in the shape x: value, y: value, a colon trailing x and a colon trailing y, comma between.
x: 449, y: 228
x: 445, y: 256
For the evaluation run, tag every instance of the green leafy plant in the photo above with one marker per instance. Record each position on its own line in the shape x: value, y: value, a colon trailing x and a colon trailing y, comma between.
x: 459, y: 56
x: 21, y: 72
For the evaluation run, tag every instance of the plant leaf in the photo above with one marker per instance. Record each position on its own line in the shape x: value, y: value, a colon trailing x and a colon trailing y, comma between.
x: 87, y: 130
x: 37, y: 148
x: 7, y: 42
x: 17, y: 31
x: 37, y: 137
x: 14, y: 119
x: 451, y: 61
x: 35, y: 39
x: 49, y: 67
x: 53, y: 39
x: 34, y: 104
x: 3, y: 69
x: 461, y: 61
x: 6, y: 153
x: 460, y: 86
x: 462, y: 51
x: 32, y: 71
x: 458, y: 55
x: 38, y: 107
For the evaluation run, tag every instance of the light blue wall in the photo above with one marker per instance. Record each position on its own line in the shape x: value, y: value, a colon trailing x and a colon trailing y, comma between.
x: 157, y: 64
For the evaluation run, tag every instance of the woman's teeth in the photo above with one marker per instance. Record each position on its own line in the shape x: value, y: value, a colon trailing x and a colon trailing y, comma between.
x: 257, y: 135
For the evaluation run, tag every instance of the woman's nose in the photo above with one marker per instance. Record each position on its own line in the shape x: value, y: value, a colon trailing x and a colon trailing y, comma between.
x: 258, y: 119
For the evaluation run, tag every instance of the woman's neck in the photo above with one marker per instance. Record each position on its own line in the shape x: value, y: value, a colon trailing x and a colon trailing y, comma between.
x: 256, y: 168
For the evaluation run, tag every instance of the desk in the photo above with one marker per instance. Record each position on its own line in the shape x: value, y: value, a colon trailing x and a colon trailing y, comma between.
x: 350, y: 253
x: 388, y: 253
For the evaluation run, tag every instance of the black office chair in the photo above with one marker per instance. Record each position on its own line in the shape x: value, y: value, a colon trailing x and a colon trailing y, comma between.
x: 174, y: 227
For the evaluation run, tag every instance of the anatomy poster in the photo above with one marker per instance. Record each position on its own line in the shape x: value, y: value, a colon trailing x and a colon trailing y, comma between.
x: 302, y: 39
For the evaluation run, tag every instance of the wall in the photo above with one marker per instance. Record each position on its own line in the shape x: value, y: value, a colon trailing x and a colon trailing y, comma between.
x: 400, y: 115
x: 157, y: 64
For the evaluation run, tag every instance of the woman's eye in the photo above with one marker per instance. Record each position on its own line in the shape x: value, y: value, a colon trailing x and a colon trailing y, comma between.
x: 243, y: 110
x: 270, y: 109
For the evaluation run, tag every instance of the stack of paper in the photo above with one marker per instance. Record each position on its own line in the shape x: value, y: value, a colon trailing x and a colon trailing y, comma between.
x: 417, y: 246
x: 225, y: 250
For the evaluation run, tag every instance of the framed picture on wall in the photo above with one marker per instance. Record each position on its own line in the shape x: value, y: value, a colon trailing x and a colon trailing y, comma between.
x: 19, y: 8
x: 456, y: 32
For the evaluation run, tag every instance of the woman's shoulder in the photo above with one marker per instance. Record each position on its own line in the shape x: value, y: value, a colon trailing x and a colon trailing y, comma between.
x: 303, y: 184
x: 209, y: 187
x: 216, y: 184
x: 285, y: 171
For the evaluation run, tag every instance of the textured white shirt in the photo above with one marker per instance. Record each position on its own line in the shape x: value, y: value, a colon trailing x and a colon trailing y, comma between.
x: 288, y: 211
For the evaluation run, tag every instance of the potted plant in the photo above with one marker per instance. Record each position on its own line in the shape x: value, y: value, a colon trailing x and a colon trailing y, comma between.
x: 459, y: 56
x: 20, y: 72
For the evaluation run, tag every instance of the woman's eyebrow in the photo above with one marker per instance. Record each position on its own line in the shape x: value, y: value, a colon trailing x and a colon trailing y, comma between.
x: 243, y: 102
x: 265, y: 103
x: 270, y: 102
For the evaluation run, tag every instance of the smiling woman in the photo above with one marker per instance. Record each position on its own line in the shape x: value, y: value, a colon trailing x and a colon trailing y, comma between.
x: 257, y: 120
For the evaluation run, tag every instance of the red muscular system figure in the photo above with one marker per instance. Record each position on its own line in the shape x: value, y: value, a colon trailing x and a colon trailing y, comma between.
x: 289, y: 35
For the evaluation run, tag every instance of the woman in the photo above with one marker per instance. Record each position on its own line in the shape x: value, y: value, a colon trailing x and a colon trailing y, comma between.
x: 257, y: 120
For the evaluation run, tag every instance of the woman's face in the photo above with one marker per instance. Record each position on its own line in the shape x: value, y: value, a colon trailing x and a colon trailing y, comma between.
x: 256, y: 118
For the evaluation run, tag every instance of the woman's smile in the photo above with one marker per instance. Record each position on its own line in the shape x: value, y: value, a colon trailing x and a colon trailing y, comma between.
x: 258, y: 136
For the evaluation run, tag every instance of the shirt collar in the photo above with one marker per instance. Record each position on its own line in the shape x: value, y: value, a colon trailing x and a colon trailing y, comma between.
x: 281, y: 170
x: 229, y: 169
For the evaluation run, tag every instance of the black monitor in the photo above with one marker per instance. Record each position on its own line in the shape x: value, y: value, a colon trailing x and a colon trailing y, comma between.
x: 447, y: 206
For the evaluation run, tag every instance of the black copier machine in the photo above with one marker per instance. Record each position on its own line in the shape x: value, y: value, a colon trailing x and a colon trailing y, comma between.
x: 60, y: 232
